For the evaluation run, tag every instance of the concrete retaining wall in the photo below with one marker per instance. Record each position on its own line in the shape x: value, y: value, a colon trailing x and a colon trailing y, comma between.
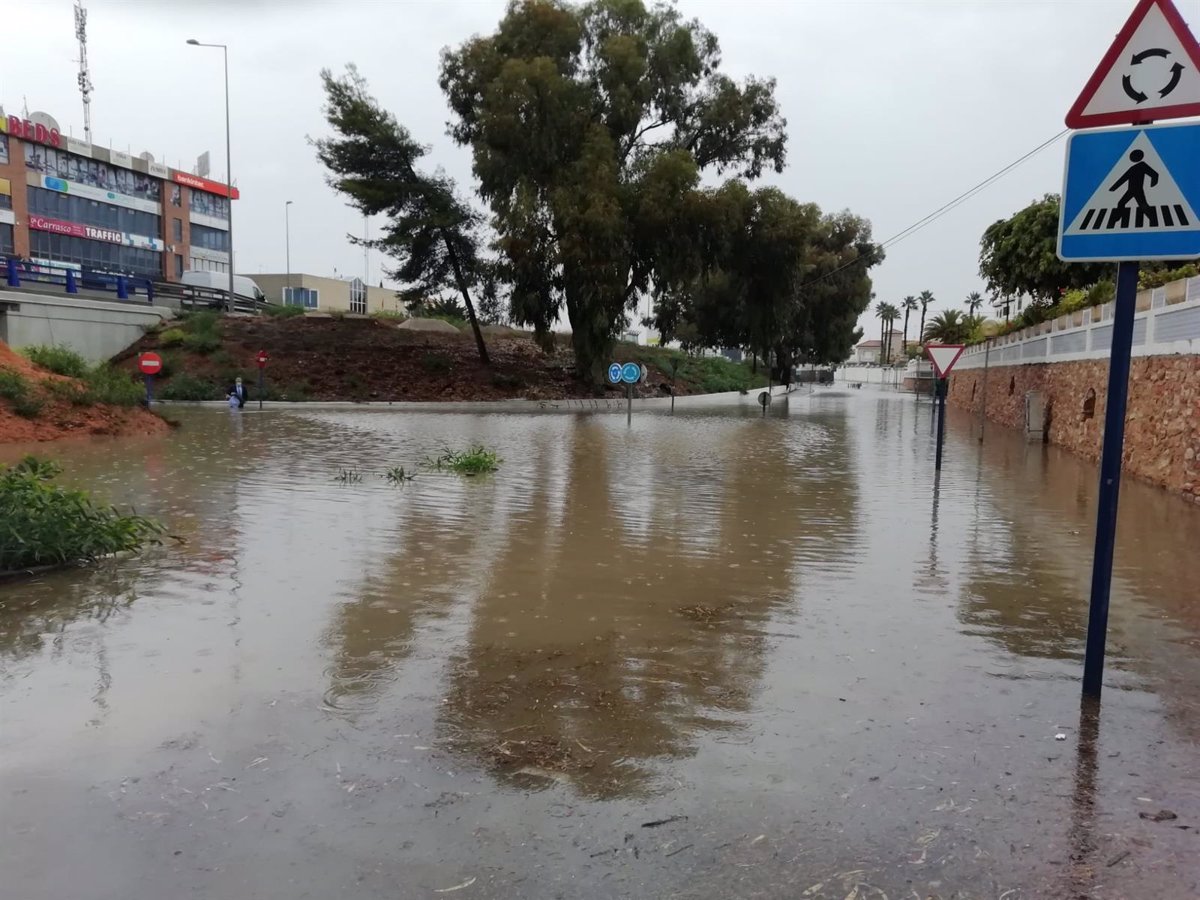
x: 96, y: 330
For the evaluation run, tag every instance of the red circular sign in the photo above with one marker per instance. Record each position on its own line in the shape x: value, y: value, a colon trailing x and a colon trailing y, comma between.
x: 150, y: 364
x: 262, y: 358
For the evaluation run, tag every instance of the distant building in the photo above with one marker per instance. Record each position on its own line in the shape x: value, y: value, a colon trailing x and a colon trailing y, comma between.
x: 327, y: 294
x: 872, y: 351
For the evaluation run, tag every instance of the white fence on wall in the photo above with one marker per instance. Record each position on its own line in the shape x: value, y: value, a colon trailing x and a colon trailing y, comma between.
x: 1159, y: 330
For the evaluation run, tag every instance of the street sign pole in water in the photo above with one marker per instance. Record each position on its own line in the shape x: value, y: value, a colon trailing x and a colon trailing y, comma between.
x: 943, y: 357
x: 1130, y: 194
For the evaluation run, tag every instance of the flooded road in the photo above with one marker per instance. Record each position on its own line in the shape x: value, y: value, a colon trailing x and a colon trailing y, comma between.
x: 711, y: 656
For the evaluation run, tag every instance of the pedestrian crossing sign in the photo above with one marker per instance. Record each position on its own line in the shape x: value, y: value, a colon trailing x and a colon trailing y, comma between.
x: 1131, y: 194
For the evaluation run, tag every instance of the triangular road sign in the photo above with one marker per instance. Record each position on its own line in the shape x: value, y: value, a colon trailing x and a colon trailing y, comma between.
x: 944, y: 356
x: 1150, y: 73
x: 1138, y: 195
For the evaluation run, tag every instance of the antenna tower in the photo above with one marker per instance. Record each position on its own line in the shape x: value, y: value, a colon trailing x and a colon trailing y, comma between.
x: 85, y: 77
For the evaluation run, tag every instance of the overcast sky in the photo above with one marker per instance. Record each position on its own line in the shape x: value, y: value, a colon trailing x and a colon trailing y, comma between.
x: 893, y: 107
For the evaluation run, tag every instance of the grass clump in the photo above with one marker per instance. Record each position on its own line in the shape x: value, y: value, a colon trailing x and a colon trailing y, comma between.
x: 397, y: 475
x: 202, y: 332
x: 283, y: 312
x: 59, y: 360
x: 25, y: 398
x: 476, y: 461
x: 189, y: 387
x: 349, y: 476
x: 172, y: 337
x: 104, y: 384
x: 707, y: 374
x: 49, y: 525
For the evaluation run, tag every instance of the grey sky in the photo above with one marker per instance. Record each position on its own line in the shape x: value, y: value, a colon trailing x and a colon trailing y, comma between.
x: 893, y: 107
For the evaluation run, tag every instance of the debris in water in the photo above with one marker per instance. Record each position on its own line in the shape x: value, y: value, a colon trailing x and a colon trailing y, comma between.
x: 458, y: 887
x: 681, y: 849
x: 657, y: 822
x: 1163, y: 815
x: 1060, y: 737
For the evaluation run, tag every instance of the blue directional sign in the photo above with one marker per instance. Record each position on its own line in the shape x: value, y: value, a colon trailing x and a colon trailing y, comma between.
x: 614, y: 373
x: 1131, y: 194
x: 631, y: 373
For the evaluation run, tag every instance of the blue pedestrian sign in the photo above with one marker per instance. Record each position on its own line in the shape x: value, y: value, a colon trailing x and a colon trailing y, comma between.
x: 614, y: 373
x: 631, y: 373
x: 1131, y: 194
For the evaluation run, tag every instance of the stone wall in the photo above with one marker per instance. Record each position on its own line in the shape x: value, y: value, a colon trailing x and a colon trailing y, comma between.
x: 1162, y: 424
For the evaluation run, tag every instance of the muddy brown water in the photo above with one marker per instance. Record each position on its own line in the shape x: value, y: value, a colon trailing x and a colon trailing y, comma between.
x: 711, y: 656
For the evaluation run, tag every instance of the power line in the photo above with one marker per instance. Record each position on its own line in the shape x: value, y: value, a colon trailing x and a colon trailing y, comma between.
x: 948, y: 207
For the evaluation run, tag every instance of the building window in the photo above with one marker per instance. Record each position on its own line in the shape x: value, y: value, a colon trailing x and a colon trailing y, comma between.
x: 209, y: 204
x: 101, y: 256
x: 6, y: 239
x: 358, y: 297
x: 199, y: 264
x: 176, y: 195
x: 178, y: 265
x: 177, y: 230
x: 298, y: 296
x: 3, y: 149
x: 5, y: 201
x: 209, y: 238
x: 66, y: 165
x: 70, y: 208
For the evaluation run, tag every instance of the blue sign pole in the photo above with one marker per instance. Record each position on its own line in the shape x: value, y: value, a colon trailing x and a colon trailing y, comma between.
x: 1110, y: 476
x: 149, y: 379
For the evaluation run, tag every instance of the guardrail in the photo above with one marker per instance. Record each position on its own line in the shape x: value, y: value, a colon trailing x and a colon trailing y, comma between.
x: 1168, y: 322
x: 126, y: 287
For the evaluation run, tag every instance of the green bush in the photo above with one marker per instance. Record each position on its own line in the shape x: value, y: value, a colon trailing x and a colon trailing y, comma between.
x: 476, y: 461
x: 708, y: 374
x: 393, y: 315
x: 436, y: 364
x: 283, y: 312
x: 68, y: 391
x: 59, y: 360
x: 172, y: 337
x: 202, y: 342
x: 1149, y: 278
x: 206, y: 322
x: 188, y: 387
x: 108, y: 385
x: 49, y: 525
x: 26, y: 400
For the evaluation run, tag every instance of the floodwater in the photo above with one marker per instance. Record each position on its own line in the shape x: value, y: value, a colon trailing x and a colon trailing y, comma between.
x: 710, y: 656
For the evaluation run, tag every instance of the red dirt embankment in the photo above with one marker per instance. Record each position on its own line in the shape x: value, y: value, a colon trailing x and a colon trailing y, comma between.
x: 60, y: 418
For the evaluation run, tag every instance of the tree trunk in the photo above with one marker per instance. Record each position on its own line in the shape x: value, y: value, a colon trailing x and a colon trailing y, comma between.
x: 904, y: 336
x: 882, y: 349
x: 921, y: 333
x: 466, y: 295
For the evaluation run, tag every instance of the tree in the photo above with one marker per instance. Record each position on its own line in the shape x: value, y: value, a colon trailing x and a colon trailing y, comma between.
x: 949, y: 327
x: 973, y: 302
x: 925, y: 298
x: 887, y: 314
x: 1019, y: 256
x: 909, y: 305
x: 590, y: 126
x: 373, y: 160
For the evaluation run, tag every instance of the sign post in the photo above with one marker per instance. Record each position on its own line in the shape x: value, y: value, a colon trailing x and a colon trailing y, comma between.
x: 628, y: 374
x: 1130, y: 194
x: 943, y: 357
x: 262, y: 359
x: 149, y: 364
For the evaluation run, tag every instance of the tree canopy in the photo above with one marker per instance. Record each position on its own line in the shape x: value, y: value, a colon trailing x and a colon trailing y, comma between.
x: 590, y: 127
x: 433, y: 235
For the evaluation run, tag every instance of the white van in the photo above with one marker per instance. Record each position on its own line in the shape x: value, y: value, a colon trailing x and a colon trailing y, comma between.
x: 218, y: 282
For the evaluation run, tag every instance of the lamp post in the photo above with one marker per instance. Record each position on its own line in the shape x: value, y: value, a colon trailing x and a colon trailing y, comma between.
x: 228, y: 163
x: 287, y: 238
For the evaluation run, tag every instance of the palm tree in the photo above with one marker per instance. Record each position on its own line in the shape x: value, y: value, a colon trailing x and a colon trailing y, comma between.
x: 948, y: 327
x: 909, y: 305
x: 973, y: 302
x: 887, y: 314
x: 924, y: 299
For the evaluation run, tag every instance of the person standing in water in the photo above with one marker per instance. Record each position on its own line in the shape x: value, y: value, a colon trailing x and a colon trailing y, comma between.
x: 236, y: 393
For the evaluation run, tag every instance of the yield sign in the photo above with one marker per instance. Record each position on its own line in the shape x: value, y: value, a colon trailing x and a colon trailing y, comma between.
x: 1151, y: 72
x: 944, y: 356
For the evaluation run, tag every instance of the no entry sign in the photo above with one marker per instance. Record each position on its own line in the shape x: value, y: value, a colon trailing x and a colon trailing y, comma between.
x: 150, y: 363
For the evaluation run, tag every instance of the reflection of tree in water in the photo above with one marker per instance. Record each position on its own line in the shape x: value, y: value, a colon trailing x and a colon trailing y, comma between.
x: 590, y: 651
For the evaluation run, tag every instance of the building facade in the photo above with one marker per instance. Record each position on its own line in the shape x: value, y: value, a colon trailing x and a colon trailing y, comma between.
x: 314, y: 292
x: 66, y: 202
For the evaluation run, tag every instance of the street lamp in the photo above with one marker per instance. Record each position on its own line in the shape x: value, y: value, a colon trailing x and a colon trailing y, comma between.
x: 287, y: 237
x: 228, y: 165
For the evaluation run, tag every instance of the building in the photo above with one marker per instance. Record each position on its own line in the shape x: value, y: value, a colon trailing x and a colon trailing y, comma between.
x: 871, y: 351
x: 327, y: 294
x: 68, y: 202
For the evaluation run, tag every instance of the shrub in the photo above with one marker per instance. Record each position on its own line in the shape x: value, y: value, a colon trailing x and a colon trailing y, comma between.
x: 436, y: 364
x: 59, y: 360
x: 49, y: 525
x: 26, y: 401
x: 206, y: 322
x: 476, y: 461
x: 393, y: 315
x: 105, y: 384
x: 202, y: 342
x: 172, y: 337
x: 68, y: 391
x: 283, y: 312
x: 188, y: 387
